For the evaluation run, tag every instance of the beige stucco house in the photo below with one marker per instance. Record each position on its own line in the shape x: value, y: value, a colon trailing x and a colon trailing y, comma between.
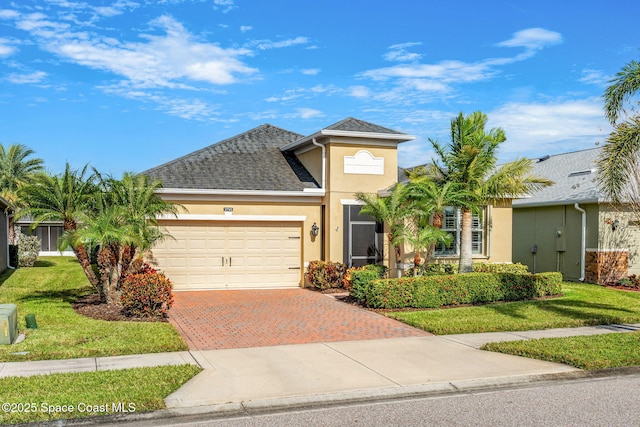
x: 571, y: 227
x: 259, y: 206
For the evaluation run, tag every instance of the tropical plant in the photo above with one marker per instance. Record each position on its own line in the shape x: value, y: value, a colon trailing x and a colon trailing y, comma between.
x: 423, y: 239
x: 16, y: 170
x: 68, y: 198
x: 391, y: 210
x: 137, y: 196
x: 618, y: 160
x: 470, y: 162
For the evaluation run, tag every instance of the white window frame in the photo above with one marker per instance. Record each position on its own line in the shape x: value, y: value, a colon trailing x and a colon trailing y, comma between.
x: 451, y: 223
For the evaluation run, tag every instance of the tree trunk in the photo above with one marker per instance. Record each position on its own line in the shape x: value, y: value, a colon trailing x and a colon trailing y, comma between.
x: 466, y: 258
x: 83, y: 258
x: 437, y: 220
x: 416, y: 263
x: 127, y: 257
x: 12, y: 230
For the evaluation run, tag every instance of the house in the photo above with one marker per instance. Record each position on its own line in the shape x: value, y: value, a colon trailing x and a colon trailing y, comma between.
x: 570, y: 227
x: 259, y: 206
x: 48, y: 233
x: 5, y: 212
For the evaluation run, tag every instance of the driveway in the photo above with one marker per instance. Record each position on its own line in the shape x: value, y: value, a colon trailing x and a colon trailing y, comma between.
x: 211, y: 320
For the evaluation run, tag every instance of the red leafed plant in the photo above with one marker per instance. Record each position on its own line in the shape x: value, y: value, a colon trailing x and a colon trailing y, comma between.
x: 146, y: 295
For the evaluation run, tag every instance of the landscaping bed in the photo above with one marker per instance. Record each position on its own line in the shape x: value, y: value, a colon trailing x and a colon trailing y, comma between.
x: 48, y: 290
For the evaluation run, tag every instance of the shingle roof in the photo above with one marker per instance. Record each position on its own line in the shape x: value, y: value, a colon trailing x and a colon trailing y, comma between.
x: 574, y: 175
x: 355, y: 125
x: 249, y: 161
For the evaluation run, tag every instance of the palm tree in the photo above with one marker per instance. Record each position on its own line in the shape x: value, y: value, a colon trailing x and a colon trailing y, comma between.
x: 422, y: 238
x: 137, y: 195
x: 69, y: 198
x: 620, y: 153
x: 470, y: 161
x: 390, y: 210
x: 16, y: 170
x: 428, y: 198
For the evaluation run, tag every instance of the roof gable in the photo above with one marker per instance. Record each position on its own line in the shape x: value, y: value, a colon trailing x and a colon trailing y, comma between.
x: 355, y: 125
x: 249, y: 161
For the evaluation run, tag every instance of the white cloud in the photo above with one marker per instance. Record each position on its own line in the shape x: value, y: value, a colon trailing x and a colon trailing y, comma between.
x: 159, y: 61
x: 408, y: 79
x: 245, y: 28
x: 268, y: 44
x: 399, y: 52
x: 226, y: 5
x: 533, y: 38
x: 8, y: 14
x: 34, y: 77
x: 595, y: 77
x: 5, y: 48
x: 311, y: 71
x: 534, y: 129
x: 359, y: 91
x: 304, y: 113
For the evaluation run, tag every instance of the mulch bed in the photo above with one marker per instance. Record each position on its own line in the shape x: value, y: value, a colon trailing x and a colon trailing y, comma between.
x: 91, y: 306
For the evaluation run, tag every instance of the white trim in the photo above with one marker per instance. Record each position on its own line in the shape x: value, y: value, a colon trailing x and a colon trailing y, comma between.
x: 351, y: 202
x: 209, y: 192
x: 213, y: 217
x: 400, y: 137
x: 606, y: 250
x: 363, y: 163
x: 56, y: 253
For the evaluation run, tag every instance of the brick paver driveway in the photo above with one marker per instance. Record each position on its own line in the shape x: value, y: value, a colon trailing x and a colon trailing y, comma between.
x: 210, y: 320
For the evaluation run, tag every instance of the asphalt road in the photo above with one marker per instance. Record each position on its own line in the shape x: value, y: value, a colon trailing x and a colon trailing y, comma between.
x: 609, y: 401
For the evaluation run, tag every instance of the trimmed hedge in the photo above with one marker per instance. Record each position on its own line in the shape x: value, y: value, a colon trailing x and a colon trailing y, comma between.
x: 146, y: 295
x: 447, y: 290
x: 478, y: 267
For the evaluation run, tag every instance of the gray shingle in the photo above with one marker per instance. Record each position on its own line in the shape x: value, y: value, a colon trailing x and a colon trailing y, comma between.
x: 249, y: 161
x: 574, y: 175
x: 355, y: 125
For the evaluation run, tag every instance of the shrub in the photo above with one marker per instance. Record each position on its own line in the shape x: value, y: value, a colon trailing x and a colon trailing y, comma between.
x: 357, y: 279
x: 478, y: 267
x: 325, y: 274
x: 28, y: 248
x: 454, y: 289
x: 146, y: 295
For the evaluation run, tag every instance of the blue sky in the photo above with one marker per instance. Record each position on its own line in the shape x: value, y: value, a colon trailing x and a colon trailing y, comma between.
x: 126, y: 85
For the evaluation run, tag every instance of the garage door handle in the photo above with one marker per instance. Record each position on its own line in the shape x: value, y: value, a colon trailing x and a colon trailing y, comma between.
x: 222, y: 261
x: 294, y: 237
x: 229, y: 261
x: 294, y: 268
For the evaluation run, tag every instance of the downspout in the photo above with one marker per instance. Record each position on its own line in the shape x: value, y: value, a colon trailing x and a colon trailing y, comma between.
x: 583, y: 240
x: 324, y: 160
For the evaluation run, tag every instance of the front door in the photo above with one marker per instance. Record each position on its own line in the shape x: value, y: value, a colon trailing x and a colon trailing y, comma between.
x: 363, y: 239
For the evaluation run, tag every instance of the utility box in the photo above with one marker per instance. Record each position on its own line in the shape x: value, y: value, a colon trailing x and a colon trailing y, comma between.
x: 8, y: 323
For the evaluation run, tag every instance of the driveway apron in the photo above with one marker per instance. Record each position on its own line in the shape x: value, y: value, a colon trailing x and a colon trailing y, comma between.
x: 224, y: 319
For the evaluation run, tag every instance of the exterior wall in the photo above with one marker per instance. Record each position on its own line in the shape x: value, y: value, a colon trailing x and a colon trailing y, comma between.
x: 619, y: 230
x: 342, y: 187
x: 556, y: 231
x: 499, y: 233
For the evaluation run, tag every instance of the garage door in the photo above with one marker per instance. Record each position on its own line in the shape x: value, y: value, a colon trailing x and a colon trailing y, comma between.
x: 230, y: 256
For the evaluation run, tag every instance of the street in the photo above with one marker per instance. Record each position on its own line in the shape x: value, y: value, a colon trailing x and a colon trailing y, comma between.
x: 610, y: 401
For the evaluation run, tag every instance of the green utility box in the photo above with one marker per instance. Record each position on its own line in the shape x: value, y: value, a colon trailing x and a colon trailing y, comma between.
x: 8, y: 323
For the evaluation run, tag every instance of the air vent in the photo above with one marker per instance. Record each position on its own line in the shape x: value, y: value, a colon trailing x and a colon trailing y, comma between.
x: 543, y: 158
x: 581, y: 173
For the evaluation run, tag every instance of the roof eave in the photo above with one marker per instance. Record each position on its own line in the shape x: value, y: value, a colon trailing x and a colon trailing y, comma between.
x: 307, y: 192
x: 399, y: 137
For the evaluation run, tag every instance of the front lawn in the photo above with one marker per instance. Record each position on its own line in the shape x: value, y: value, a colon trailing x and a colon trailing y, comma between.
x: 76, y: 395
x: 47, y: 290
x: 581, y: 305
x: 584, y: 352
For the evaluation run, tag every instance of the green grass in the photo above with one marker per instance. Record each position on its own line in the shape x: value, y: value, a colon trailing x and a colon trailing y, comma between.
x: 584, y: 352
x: 47, y: 290
x: 42, y: 397
x: 581, y: 305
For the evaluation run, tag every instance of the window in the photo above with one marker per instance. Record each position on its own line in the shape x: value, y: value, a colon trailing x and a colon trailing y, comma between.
x: 451, y: 223
x: 47, y: 234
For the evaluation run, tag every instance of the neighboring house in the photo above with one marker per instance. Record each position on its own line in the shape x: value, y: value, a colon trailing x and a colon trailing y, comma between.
x: 571, y: 228
x: 48, y: 233
x: 5, y: 211
x: 259, y: 206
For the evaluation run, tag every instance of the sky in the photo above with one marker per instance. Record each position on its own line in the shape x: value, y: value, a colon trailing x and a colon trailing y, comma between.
x: 126, y: 85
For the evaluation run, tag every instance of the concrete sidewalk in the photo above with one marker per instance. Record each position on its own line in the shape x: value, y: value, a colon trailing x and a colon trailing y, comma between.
x: 234, y: 380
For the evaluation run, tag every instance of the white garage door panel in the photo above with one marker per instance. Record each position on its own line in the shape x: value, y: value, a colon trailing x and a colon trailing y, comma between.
x: 205, y: 256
